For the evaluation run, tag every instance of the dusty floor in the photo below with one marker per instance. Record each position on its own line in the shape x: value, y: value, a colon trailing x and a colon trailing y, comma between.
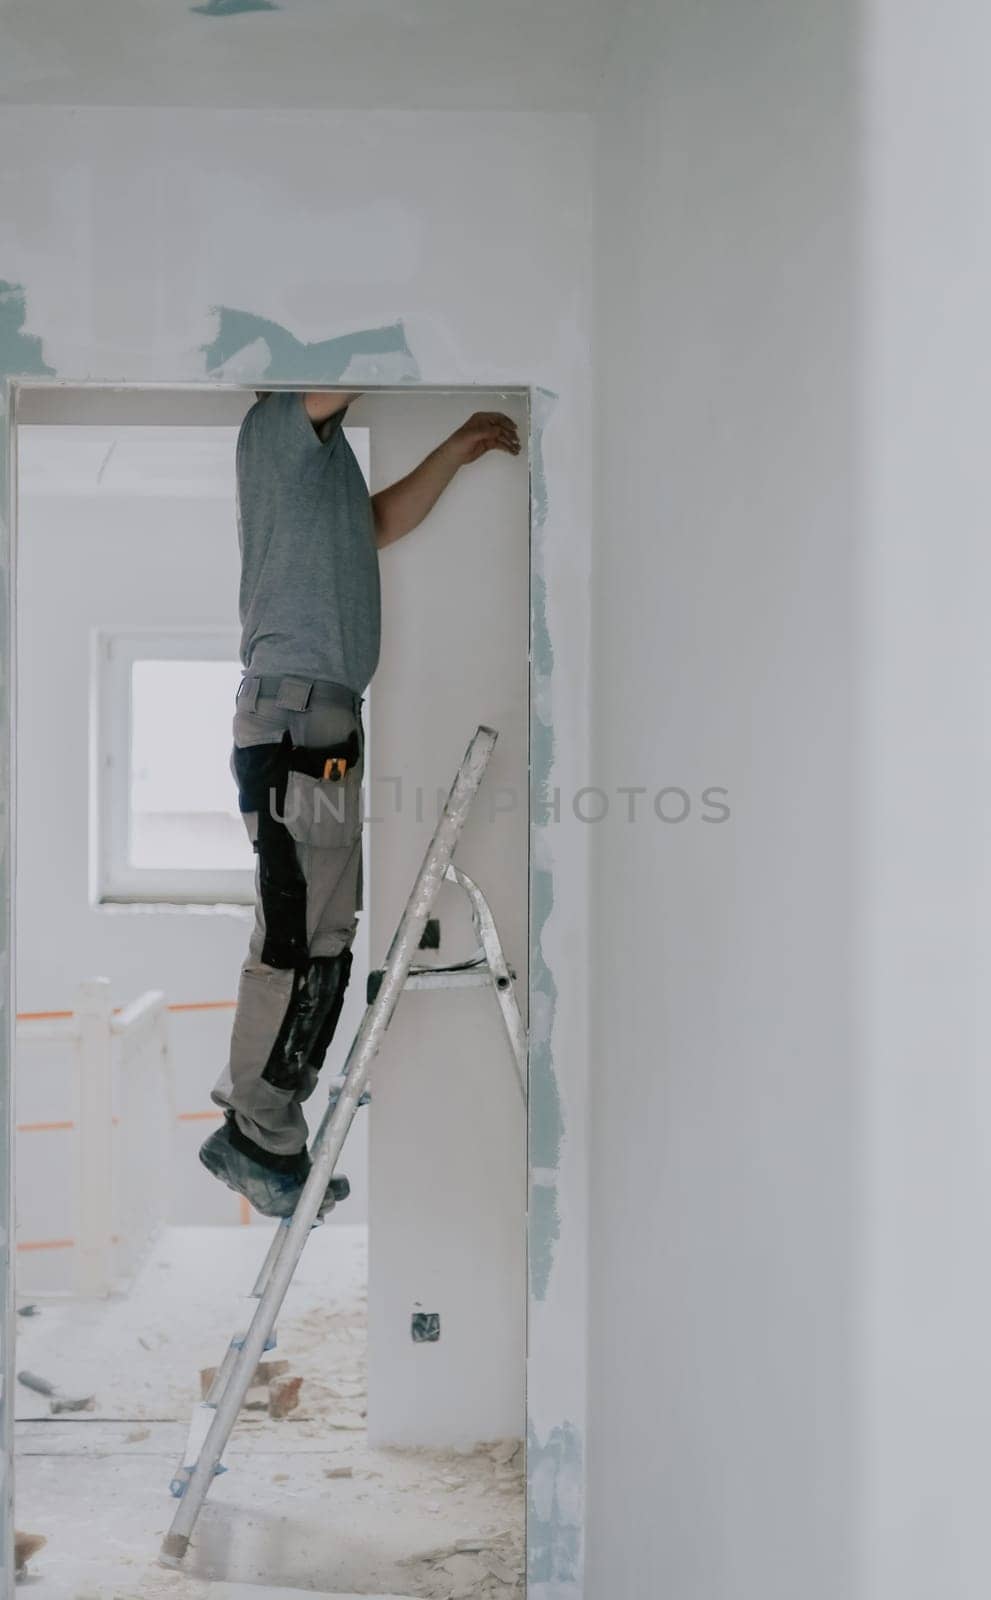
x: 305, y: 1505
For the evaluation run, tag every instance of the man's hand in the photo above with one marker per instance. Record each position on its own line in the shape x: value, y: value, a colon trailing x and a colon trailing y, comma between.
x: 484, y: 431
x: 404, y: 505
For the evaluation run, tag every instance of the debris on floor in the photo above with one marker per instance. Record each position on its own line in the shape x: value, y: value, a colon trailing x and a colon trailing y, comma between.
x: 365, y: 1519
x: 264, y: 1373
x: 271, y: 1388
x: 506, y: 1451
x: 283, y: 1396
x: 26, y: 1545
x: 245, y: 1591
x: 61, y: 1403
x: 489, y: 1566
x: 470, y: 1569
x: 31, y: 1380
x: 58, y: 1402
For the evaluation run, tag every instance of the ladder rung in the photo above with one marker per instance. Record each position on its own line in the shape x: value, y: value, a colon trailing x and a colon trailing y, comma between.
x: 439, y: 978
x: 237, y: 1343
x: 450, y: 978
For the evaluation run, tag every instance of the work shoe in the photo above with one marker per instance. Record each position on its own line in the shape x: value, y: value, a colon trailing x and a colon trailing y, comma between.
x: 273, y: 1193
x: 337, y: 1189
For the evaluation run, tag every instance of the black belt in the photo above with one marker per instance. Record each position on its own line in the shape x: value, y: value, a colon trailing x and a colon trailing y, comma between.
x: 323, y: 761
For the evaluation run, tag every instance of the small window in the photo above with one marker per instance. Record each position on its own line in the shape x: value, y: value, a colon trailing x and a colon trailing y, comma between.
x: 167, y: 823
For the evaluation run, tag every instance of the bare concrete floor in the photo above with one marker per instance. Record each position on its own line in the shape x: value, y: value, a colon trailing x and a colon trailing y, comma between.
x: 306, y: 1505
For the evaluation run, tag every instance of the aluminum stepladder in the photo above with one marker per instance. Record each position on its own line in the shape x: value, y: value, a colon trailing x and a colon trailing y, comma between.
x: 214, y: 1418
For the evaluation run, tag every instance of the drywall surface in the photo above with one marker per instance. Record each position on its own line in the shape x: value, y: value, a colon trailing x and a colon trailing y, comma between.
x: 137, y: 238
x: 448, y: 1125
x: 928, y: 938
x: 522, y: 55
x: 725, y: 1452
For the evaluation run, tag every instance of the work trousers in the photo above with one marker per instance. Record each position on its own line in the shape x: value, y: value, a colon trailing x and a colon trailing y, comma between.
x: 298, y: 760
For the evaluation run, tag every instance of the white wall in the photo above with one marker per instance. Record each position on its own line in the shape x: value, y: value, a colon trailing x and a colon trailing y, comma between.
x: 129, y: 228
x: 797, y: 374
x: 448, y: 1135
x: 725, y: 1443
x: 927, y: 942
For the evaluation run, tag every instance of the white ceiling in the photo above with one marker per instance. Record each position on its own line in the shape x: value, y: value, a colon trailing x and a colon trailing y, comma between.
x: 343, y: 54
x: 165, y: 462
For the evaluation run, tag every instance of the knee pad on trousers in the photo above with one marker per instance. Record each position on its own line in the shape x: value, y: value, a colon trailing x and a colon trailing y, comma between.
x: 310, y: 1021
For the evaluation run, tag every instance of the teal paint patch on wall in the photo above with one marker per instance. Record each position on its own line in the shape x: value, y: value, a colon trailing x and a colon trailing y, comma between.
x: 555, y: 1487
x: 544, y: 1227
x: 371, y: 355
x: 233, y: 8
x: 543, y: 405
x: 21, y: 355
x: 546, y: 1118
x: 20, y: 352
x: 5, y: 548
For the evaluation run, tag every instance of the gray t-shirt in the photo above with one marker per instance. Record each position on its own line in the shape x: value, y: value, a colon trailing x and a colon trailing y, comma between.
x: 309, y: 595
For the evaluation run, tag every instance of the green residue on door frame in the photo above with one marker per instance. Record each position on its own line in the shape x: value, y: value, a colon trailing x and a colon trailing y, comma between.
x: 546, y: 1116
x: 555, y: 1492
x: 233, y: 8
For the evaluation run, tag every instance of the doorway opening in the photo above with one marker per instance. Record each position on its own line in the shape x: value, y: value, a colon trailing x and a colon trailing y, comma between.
x: 381, y: 1450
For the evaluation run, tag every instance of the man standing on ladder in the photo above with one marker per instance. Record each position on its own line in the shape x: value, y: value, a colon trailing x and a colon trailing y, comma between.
x: 309, y: 536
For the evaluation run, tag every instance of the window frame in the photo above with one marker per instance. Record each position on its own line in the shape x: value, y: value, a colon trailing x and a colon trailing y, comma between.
x: 113, y: 880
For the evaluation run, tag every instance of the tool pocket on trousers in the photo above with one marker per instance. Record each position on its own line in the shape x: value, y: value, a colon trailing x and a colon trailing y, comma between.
x: 325, y: 812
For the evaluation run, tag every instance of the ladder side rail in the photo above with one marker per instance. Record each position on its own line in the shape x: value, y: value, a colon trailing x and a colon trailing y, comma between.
x: 502, y: 978
x: 271, y: 1257
x: 274, y: 1252
x: 332, y: 1133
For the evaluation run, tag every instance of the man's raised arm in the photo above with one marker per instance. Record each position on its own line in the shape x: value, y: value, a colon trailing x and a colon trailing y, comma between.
x: 324, y: 403
x: 401, y: 507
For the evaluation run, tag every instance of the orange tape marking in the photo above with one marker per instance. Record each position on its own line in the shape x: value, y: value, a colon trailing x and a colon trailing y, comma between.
x: 203, y: 1005
x: 65, y: 1127
x: 57, y: 1244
